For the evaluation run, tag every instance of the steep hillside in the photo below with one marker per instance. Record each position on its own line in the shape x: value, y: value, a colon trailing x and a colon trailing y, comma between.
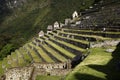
x: 28, y: 18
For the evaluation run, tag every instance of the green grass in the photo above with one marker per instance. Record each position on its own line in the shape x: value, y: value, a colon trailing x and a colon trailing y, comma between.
x: 68, y: 44
x: 14, y: 58
x: 26, y: 56
x: 62, y: 50
x: 96, y: 66
x: 54, y: 53
x: 25, y: 22
x: 92, y: 31
x: 20, y: 58
x: 83, y: 35
x: 76, y: 40
x: 48, y: 78
x: 43, y: 54
x: 35, y: 57
x: 92, y: 68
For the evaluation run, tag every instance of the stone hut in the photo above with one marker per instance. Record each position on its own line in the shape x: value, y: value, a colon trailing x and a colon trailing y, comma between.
x: 49, y: 29
x: 56, y: 25
x: 67, y: 21
x: 41, y: 34
x: 75, y: 15
x: 61, y: 25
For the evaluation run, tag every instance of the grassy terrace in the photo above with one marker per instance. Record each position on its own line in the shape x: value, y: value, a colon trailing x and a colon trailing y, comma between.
x: 67, y: 44
x: 26, y: 56
x: 54, y: 53
x: 62, y: 50
x: 75, y: 40
x: 99, y: 65
x: 49, y: 78
x: 42, y: 53
x: 14, y: 57
x: 91, y: 31
x: 83, y: 35
x: 33, y: 54
x: 21, y: 61
x: 6, y: 65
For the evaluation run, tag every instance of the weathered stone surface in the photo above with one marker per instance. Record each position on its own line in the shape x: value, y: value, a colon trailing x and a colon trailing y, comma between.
x: 75, y: 14
x: 56, y: 25
x: 109, y: 50
x: 41, y: 34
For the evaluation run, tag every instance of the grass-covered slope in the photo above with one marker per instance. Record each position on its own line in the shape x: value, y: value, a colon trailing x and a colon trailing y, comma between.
x: 26, y: 21
x: 99, y: 65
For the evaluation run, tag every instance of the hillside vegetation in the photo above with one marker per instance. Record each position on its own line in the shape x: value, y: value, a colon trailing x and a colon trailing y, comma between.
x: 20, y: 24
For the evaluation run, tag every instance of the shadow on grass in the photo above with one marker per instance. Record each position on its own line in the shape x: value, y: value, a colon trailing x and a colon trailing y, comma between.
x: 112, y: 69
x: 80, y: 76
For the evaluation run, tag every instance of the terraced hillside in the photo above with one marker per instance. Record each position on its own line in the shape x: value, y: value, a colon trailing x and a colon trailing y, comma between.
x: 58, y: 46
x: 68, y: 43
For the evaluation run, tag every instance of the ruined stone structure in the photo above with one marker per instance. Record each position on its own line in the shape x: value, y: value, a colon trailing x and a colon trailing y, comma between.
x: 56, y: 25
x: 30, y: 72
x: 41, y: 34
x: 75, y: 15
x: 67, y: 21
x: 19, y: 73
x: 61, y: 25
x: 49, y: 29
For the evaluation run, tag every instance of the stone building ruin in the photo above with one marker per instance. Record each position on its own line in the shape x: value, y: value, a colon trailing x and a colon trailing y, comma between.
x: 75, y: 15
x: 30, y: 72
x: 41, y: 34
x: 49, y: 29
x: 56, y: 25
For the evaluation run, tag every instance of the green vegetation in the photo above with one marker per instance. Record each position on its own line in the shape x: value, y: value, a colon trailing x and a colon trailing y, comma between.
x: 99, y: 65
x: 48, y: 78
x: 26, y: 21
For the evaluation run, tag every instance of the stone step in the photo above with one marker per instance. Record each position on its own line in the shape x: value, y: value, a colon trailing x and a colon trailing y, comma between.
x: 76, y: 42
x: 86, y: 37
x: 98, y: 33
x: 26, y: 56
x: 55, y: 47
x: 53, y: 54
x: 43, y: 54
x: 33, y: 54
x: 66, y: 53
x: 21, y: 60
x: 72, y: 48
x: 14, y: 58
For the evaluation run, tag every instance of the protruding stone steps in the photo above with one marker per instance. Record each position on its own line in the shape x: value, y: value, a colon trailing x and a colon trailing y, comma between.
x: 33, y: 54
x: 9, y: 60
x: 72, y: 48
x: 43, y: 54
x: 21, y: 60
x: 76, y: 42
x: 52, y: 53
x: 15, y: 62
x: 27, y: 52
x: 61, y: 50
x: 55, y: 47
x: 27, y: 58
x: 107, y: 29
x: 4, y: 64
x: 98, y: 33
x: 86, y: 37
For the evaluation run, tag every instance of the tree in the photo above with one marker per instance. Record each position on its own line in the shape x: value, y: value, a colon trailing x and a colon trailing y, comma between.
x: 6, y: 50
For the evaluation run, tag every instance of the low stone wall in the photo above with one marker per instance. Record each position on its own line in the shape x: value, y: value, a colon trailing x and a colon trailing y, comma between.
x: 30, y: 73
x: 49, y: 65
x: 104, y: 44
x: 24, y: 73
